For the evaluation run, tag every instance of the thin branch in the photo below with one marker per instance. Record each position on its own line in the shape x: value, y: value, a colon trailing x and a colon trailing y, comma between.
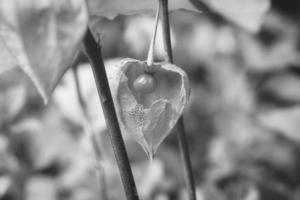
x: 181, y: 137
x: 80, y: 98
x: 93, y: 52
x: 153, y: 39
x: 166, y: 30
x: 185, y: 155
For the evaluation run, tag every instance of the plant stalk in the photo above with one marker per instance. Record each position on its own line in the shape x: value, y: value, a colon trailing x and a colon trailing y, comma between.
x: 153, y: 39
x: 93, y: 52
x: 181, y: 136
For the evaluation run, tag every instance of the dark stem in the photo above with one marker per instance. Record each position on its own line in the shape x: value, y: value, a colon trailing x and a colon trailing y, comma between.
x: 181, y: 137
x: 166, y: 30
x: 93, y: 52
x: 184, y: 151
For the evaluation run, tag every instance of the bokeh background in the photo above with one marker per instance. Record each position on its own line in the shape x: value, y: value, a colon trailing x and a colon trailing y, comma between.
x: 242, y: 123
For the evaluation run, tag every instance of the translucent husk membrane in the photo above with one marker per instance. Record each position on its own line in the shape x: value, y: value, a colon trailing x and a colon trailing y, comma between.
x: 149, y: 117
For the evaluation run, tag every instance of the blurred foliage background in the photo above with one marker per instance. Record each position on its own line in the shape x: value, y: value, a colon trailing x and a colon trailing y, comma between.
x: 242, y: 123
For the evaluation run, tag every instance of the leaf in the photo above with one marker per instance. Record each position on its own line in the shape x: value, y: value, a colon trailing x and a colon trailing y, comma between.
x: 262, y: 58
x: 284, y: 87
x: 245, y: 13
x: 113, y: 8
x: 13, y: 95
x: 39, y: 37
x: 47, y: 138
x: 11, y: 102
x: 7, y: 60
x: 40, y: 187
x: 275, y: 47
x: 148, y: 117
x: 284, y: 121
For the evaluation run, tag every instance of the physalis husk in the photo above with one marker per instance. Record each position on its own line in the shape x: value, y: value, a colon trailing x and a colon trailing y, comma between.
x: 148, y: 116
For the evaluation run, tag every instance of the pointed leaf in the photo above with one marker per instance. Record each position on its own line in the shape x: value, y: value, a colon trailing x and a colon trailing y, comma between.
x: 40, y: 36
x: 284, y: 121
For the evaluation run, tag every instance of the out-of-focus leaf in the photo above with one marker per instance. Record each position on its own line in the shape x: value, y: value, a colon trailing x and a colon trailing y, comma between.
x: 5, y: 184
x: 275, y: 47
x: 11, y: 102
x: 47, y: 138
x: 39, y: 37
x: 7, y: 60
x: 210, y: 192
x: 8, y: 166
x: 210, y: 40
x: 40, y: 187
x: 284, y: 121
x: 79, y: 180
x: 13, y: 95
x: 112, y: 8
x: 246, y: 13
x: 285, y: 87
x: 148, y: 117
x: 150, y: 176
x: 261, y: 58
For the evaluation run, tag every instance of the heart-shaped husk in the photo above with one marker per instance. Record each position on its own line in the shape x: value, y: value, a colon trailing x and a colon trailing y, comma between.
x: 148, y: 117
